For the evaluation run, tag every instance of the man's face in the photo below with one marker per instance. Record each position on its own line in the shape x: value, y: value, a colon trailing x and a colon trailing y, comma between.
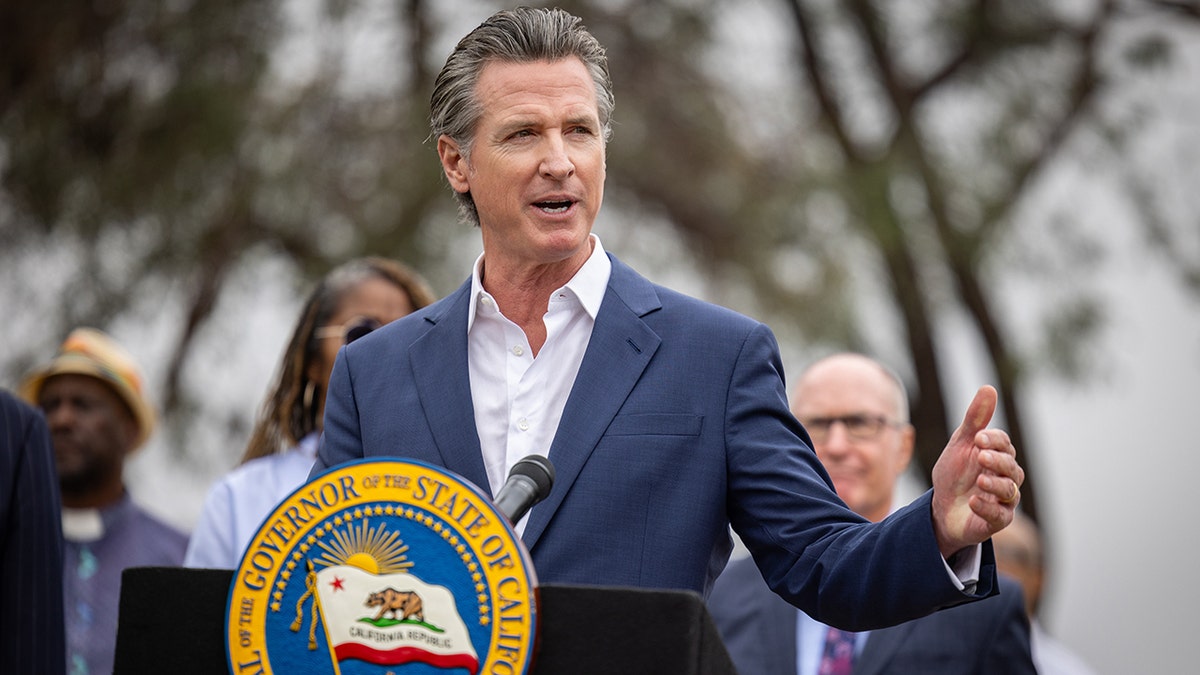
x: 868, y: 448
x: 536, y: 168
x: 91, y: 427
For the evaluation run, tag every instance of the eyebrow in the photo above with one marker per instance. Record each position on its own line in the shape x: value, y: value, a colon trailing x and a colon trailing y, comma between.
x: 516, y: 124
x: 584, y: 119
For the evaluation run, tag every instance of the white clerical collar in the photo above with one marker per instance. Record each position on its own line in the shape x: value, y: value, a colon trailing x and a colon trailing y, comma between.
x: 588, y: 285
x: 82, y: 525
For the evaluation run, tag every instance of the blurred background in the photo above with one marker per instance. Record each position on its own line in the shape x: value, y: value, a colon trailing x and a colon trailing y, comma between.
x: 974, y: 191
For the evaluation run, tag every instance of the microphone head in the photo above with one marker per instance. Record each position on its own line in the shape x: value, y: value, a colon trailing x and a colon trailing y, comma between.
x: 538, y: 469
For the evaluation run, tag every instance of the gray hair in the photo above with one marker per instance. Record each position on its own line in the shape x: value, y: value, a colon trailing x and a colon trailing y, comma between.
x: 518, y: 35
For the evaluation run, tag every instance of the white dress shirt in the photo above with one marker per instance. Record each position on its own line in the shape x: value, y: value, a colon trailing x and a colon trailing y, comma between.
x: 810, y: 643
x: 519, y: 399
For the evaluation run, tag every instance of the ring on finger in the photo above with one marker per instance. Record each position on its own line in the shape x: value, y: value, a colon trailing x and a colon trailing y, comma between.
x: 1016, y: 492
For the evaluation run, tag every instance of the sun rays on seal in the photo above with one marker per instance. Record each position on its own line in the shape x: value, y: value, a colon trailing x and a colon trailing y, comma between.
x: 373, y: 550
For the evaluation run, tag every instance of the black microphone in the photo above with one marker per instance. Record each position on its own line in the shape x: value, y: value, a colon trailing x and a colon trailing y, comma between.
x: 528, y: 483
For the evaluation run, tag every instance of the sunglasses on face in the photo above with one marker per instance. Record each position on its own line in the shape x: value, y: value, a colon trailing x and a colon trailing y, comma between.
x: 349, y: 331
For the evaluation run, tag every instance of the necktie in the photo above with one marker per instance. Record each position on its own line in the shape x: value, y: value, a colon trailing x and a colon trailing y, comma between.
x: 838, y: 658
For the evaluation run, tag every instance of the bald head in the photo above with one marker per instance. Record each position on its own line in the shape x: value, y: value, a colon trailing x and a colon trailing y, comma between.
x: 861, y: 372
x: 1019, y: 555
x: 856, y: 411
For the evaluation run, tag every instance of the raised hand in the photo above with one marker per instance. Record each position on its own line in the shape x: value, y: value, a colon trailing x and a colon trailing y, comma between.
x: 976, y: 480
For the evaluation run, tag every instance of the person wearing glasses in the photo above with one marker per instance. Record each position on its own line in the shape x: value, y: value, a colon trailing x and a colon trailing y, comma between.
x: 350, y: 302
x: 856, y: 412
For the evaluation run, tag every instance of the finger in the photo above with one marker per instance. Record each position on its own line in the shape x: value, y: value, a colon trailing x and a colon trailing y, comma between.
x: 1005, y: 490
x: 1003, y: 464
x: 980, y: 412
x: 995, y: 439
x: 1013, y: 497
x: 997, y: 515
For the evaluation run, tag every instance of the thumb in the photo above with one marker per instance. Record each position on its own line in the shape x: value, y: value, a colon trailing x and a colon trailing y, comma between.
x: 979, y: 413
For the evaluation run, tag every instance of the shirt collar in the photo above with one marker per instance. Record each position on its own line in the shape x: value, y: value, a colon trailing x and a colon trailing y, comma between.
x: 89, y: 524
x: 588, y: 285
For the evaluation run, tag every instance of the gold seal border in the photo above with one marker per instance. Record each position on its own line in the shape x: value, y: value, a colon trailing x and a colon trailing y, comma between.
x: 486, y: 543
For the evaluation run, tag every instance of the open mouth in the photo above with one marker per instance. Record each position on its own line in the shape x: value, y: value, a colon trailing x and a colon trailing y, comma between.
x: 554, y: 206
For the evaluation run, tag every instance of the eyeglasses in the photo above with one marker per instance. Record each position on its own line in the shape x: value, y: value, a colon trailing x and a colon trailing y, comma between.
x: 858, y: 427
x: 349, y: 331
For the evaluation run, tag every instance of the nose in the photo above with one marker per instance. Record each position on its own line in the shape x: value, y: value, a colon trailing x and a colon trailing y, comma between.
x: 58, y: 416
x: 836, y: 441
x: 557, y: 164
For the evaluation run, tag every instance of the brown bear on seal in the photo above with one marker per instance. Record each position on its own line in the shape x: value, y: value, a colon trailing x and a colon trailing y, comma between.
x: 403, y: 603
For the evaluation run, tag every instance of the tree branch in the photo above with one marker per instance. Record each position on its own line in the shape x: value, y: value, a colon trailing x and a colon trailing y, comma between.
x: 974, y: 44
x: 831, y: 113
x: 1083, y: 90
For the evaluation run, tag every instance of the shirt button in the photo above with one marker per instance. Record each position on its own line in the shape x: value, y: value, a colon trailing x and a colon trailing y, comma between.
x: 486, y: 300
x: 523, y: 424
x: 518, y: 351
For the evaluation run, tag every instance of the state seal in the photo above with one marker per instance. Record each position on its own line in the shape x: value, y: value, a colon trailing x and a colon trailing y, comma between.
x: 383, y: 567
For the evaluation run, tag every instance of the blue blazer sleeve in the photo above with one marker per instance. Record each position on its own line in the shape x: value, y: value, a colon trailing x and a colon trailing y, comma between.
x: 812, y: 550
x: 990, y: 637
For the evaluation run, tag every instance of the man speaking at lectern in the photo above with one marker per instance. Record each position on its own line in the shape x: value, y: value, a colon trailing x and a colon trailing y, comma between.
x: 665, y: 417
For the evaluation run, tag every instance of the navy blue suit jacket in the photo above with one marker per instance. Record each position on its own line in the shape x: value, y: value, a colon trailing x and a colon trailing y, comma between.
x: 31, y: 568
x: 677, y: 426
x: 990, y: 637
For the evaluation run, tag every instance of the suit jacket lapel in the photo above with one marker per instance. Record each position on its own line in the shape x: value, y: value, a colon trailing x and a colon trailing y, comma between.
x: 620, y: 348
x: 444, y: 387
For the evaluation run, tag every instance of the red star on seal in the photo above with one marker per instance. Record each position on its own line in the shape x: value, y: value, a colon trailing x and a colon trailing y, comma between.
x: 337, y: 584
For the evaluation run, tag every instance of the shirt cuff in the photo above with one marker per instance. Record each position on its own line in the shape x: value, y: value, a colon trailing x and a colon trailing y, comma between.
x: 963, y: 568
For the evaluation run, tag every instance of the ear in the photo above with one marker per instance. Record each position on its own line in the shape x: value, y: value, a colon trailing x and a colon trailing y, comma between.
x: 453, y: 163
x: 129, y: 432
x: 908, y: 439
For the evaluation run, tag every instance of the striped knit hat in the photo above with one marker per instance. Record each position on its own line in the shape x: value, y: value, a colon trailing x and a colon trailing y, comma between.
x: 87, y: 351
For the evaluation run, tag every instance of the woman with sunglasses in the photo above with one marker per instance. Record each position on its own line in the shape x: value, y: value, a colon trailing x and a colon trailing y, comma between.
x: 351, y: 301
